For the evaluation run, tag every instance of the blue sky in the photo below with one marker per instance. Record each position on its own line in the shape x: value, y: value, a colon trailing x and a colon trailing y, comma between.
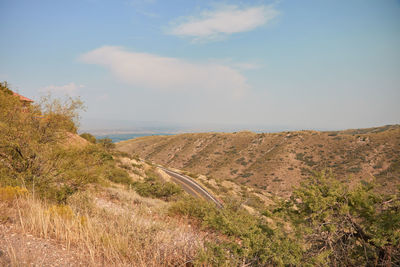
x: 259, y: 64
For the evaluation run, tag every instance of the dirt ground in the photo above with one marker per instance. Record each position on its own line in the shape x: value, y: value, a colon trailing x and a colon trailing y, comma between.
x: 19, y: 249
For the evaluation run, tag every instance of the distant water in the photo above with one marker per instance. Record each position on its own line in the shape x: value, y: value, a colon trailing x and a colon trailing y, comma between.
x: 121, y: 137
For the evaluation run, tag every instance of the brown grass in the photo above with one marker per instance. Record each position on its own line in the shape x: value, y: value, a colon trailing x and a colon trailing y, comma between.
x: 136, y: 234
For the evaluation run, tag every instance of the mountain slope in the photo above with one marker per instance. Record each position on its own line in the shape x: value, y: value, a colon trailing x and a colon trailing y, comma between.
x: 277, y: 161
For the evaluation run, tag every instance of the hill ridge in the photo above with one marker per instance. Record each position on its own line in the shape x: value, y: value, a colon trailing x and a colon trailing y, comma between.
x: 278, y: 161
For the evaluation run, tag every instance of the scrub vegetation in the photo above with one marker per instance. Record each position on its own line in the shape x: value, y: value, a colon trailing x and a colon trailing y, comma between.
x: 97, y: 206
x: 56, y: 185
x: 324, y: 223
x: 276, y: 162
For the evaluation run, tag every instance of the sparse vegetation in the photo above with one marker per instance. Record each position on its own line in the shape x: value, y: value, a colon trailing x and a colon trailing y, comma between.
x: 115, y: 209
x: 291, y: 156
x: 49, y: 177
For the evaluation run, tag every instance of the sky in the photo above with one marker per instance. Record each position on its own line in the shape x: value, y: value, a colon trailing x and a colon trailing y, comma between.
x: 310, y: 64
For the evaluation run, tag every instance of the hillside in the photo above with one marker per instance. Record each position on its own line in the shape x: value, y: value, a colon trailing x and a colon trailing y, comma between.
x: 276, y: 162
x: 78, y: 232
x: 70, y: 200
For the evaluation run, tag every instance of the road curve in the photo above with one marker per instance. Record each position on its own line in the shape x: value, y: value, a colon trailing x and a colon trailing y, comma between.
x: 191, y: 187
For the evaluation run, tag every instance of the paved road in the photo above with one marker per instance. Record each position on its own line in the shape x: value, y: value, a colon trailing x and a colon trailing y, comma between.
x: 191, y: 187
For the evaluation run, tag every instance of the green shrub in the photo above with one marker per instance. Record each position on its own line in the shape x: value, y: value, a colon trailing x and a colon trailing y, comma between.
x: 354, y: 169
x: 324, y: 223
x: 35, y: 151
x: 192, y: 207
x: 300, y: 156
x: 138, y: 166
x: 157, y: 189
x: 248, y: 239
x: 118, y: 175
x: 89, y: 137
x: 106, y: 143
x: 153, y: 186
x: 343, y: 226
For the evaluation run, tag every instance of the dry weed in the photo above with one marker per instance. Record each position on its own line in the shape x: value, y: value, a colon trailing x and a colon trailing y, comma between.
x: 135, y: 235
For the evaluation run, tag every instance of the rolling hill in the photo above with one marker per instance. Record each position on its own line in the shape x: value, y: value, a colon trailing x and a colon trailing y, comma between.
x: 276, y: 162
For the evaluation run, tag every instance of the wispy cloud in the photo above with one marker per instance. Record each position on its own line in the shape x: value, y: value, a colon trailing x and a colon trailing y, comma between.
x: 165, y: 73
x: 70, y: 89
x: 223, y: 21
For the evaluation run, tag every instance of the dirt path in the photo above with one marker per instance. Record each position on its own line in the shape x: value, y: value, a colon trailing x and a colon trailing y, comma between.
x: 19, y: 249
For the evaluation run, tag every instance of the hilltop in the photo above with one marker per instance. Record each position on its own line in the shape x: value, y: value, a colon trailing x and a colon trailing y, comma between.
x: 276, y: 162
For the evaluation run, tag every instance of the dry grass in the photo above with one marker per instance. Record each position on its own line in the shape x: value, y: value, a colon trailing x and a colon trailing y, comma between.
x: 135, y: 234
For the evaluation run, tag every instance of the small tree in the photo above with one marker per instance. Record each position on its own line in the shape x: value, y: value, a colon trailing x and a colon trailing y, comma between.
x: 106, y: 143
x: 34, y: 150
x: 344, y: 226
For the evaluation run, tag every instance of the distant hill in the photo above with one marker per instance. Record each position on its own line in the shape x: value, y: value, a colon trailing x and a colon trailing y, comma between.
x: 277, y: 161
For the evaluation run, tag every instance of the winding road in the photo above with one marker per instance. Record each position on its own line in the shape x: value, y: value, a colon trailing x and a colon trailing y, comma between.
x: 191, y: 187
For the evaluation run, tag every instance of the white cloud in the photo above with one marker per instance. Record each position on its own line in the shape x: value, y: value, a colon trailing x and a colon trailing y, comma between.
x: 68, y: 89
x: 224, y: 21
x: 169, y: 74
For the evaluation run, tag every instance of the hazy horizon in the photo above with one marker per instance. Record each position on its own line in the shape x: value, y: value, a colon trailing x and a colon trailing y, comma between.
x: 209, y: 65
x: 103, y: 128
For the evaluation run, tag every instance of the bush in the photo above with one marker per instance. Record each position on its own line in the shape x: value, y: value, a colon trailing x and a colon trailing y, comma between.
x: 106, y: 143
x: 9, y: 193
x: 157, y: 189
x: 89, y: 137
x: 343, y: 226
x: 117, y: 175
x: 300, y: 156
x: 153, y: 186
x: 192, y: 207
x: 34, y: 150
x: 323, y: 223
x: 248, y: 240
